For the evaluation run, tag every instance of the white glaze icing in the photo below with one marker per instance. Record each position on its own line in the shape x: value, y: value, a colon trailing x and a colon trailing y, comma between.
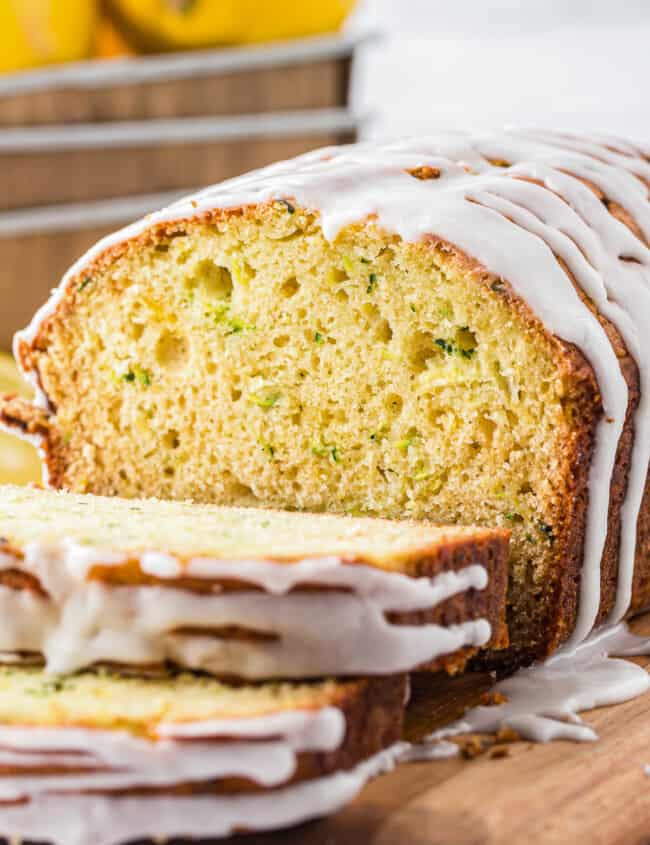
x: 69, y: 819
x: 515, y: 229
x: 263, y: 750
x: 544, y: 700
x: 82, y: 622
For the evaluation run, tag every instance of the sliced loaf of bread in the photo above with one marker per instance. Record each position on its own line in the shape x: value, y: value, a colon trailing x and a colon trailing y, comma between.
x: 451, y: 328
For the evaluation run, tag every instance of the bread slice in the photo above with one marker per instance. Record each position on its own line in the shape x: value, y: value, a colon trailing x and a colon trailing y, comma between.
x: 239, y: 591
x: 447, y: 328
x: 138, y: 754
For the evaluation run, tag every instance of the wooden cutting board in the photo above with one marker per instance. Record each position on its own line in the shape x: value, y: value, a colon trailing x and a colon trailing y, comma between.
x: 561, y: 793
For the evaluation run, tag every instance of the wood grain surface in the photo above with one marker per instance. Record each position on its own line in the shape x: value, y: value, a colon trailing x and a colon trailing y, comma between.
x: 560, y: 793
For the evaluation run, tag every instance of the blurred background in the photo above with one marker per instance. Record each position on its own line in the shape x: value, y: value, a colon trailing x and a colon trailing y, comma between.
x: 112, y: 108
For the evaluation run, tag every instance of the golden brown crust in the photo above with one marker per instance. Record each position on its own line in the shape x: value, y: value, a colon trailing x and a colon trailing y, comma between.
x: 21, y: 417
x: 490, y: 552
x: 556, y: 617
x: 562, y: 598
x: 374, y: 715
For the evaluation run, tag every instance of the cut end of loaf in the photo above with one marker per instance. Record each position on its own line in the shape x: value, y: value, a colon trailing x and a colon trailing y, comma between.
x: 243, y: 359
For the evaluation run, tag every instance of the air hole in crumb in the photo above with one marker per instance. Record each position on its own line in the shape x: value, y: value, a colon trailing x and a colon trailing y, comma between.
x: 487, y: 427
x: 169, y: 471
x: 384, y: 333
x: 342, y: 295
x: 382, y: 329
x: 513, y: 419
x: 171, y: 350
x: 171, y: 439
x: 290, y: 287
x: 235, y: 394
x: 371, y: 311
x: 437, y: 416
x: 136, y: 330
x: 213, y: 280
x: 242, y: 491
x: 423, y: 347
x: 123, y: 475
x: 281, y: 340
x: 336, y: 276
x: 394, y: 404
x: 210, y: 368
x: 115, y: 412
x: 291, y: 236
x: 465, y: 341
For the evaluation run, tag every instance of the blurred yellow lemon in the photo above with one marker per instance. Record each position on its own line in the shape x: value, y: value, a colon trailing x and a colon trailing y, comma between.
x: 184, y: 24
x: 41, y: 32
x: 109, y: 41
x: 19, y: 461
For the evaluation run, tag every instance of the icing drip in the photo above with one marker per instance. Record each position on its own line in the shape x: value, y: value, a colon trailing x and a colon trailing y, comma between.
x: 309, y: 633
x: 516, y: 229
x: 264, y: 751
x: 545, y: 699
x: 95, y: 819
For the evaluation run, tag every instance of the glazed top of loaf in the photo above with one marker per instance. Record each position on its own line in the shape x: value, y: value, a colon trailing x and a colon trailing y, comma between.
x: 525, y: 205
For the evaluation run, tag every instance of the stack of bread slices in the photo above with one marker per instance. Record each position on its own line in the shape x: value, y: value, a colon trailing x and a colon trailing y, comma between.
x: 196, y: 670
x: 449, y: 330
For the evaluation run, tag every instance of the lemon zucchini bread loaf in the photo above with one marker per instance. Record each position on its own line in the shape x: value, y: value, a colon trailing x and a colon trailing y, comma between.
x: 449, y: 328
x: 96, y: 758
x: 249, y: 593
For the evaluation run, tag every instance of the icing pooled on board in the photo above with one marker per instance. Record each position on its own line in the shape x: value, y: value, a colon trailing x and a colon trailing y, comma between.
x: 544, y: 700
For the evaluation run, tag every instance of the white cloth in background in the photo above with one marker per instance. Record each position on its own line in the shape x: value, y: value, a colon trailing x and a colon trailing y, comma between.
x: 480, y: 64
